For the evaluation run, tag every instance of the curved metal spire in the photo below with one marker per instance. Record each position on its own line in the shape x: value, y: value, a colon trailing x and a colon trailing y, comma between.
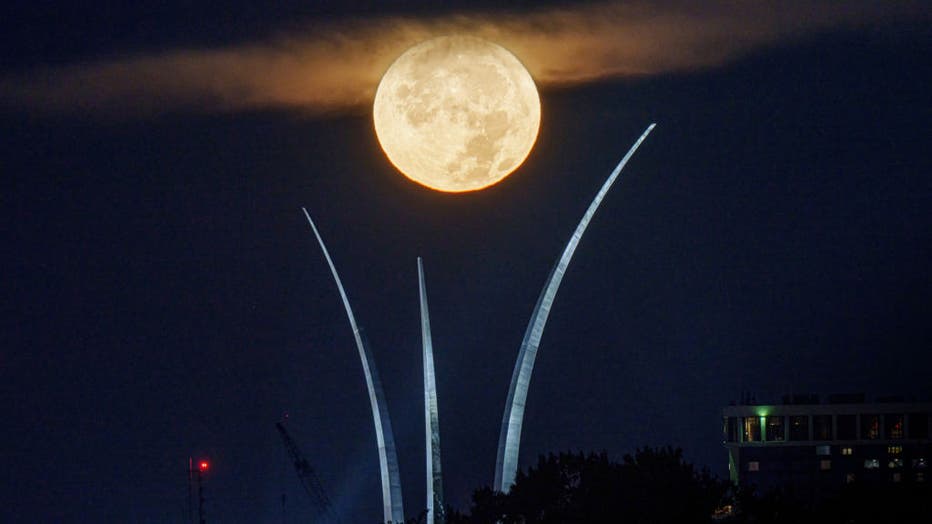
x: 435, y: 509
x: 388, y: 459
x: 509, y: 440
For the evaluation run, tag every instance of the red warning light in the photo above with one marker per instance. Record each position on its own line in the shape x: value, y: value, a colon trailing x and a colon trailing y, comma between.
x: 203, y: 465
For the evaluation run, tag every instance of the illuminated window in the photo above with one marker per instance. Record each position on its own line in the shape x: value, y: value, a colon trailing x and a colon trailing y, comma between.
x: 895, y: 463
x: 825, y: 465
x: 893, y: 426
x: 751, y: 429
x: 775, y: 428
x: 919, y: 463
x: 799, y: 427
x: 823, y: 450
x: 753, y: 465
x: 723, y: 512
x: 894, y: 450
x: 849, y: 478
x: 870, y: 427
x: 847, y: 427
x: 822, y: 427
x: 896, y: 477
x: 871, y: 463
x: 847, y: 451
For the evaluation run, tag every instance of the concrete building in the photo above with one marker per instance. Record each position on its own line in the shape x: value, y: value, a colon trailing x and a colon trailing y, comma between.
x: 819, y: 446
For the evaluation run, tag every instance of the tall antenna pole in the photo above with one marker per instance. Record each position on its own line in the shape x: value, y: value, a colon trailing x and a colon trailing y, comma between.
x: 189, y: 514
x: 200, y: 498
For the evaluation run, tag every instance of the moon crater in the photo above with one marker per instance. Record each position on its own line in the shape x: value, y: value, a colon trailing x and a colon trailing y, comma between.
x: 456, y: 113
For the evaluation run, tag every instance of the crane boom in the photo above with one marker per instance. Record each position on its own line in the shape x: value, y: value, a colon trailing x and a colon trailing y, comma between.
x: 306, y: 474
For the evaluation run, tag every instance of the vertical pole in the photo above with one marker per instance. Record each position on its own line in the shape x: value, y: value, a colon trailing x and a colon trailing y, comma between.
x: 189, y: 514
x: 200, y: 498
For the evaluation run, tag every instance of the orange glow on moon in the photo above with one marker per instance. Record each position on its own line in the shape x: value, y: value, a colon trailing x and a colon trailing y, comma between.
x: 456, y: 113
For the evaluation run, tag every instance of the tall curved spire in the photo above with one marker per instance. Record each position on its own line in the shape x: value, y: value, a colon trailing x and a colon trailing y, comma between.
x: 435, y: 509
x: 388, y: 459
x: 509, y: 440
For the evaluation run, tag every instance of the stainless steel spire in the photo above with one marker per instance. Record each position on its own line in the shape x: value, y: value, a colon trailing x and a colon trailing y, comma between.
x: 388, y: 459
x: 509, y: 441
x: 435, y: 509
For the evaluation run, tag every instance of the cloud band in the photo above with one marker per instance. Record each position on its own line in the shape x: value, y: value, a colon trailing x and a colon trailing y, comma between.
x: 336, y: 67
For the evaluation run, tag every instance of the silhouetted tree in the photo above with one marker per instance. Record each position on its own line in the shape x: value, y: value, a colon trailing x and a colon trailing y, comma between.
x: 652, y: 486
x: 658, y: 486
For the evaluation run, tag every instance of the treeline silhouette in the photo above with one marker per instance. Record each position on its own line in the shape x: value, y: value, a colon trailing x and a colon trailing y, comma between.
x: 657, y: 486
x: 653, y: 485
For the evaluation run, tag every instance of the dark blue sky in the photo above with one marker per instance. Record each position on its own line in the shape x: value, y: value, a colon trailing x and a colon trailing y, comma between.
x: 164, y: 296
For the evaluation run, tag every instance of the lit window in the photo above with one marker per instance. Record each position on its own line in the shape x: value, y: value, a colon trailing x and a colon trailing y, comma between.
x: 753, y: 465
x: 893, y: 426
x: 894, y: 450
x: 723, y: 512
x: 871, y: 464
x: 825, y: 465
x: 823, y: 450
x: 847, y: 451
x: 895, y: 463
x: 799, y: 427
x: 896, y: 477
x: 774, y: 428
x: 752, y: 429
x: 870, y: 427
x: 849, y: 478
x: 919, y: 463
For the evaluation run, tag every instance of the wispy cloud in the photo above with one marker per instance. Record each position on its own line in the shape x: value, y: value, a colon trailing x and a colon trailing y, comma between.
x: 336, y: 67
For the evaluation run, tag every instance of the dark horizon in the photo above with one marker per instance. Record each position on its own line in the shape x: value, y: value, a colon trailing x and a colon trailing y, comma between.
x: 166, y: 297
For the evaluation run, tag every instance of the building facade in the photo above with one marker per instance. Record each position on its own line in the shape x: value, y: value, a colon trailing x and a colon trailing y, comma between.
x: 811, y: 445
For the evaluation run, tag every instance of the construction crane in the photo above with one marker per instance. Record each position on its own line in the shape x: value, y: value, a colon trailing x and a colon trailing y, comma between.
x: 306, y: 474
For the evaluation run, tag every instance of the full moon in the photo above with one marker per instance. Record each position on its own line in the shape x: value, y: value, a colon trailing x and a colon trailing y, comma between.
x: 456, y: 113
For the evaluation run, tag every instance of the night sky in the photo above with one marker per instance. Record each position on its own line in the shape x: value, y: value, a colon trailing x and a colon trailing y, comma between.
x: 164, y: 297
